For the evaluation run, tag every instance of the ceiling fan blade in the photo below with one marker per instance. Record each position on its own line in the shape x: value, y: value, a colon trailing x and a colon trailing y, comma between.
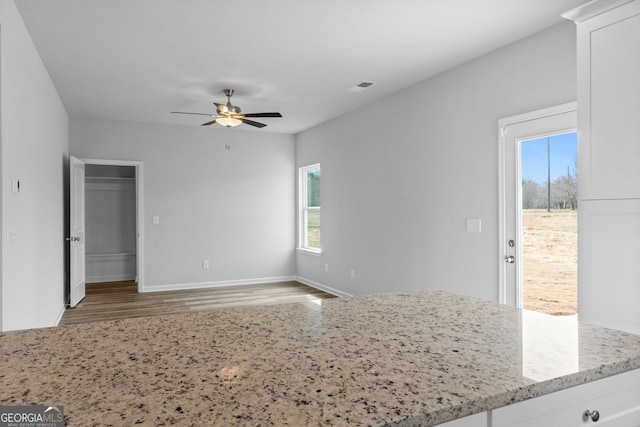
x: 209, y: 123
x: 197, y: 114
x: 252, y: 123
x: 263, y: 115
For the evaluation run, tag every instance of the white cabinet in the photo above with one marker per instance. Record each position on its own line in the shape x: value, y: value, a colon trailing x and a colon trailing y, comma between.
x: 476, y: 420
x: 609, y: 267
x: 609, y: 102
x: 609, y: 162
x: 616, y: 399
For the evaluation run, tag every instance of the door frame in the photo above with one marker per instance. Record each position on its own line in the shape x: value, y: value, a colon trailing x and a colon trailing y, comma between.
x: 503, y: 124
x: 139, y: 169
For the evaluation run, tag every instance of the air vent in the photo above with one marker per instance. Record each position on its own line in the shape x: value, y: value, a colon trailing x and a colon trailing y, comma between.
x: 361, y: 86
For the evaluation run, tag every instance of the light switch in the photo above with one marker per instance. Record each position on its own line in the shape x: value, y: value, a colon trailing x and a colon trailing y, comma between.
x: 474, y: 225
x: 155, y: 220
x: 11, y: 235
x: 15, y: 185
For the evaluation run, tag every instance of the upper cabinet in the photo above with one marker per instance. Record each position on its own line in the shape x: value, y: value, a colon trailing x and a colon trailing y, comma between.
x: 608, y: 99
x: 609, y: 162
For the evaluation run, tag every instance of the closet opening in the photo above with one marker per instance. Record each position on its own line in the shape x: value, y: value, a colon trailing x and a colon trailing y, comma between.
x: 112, y: 217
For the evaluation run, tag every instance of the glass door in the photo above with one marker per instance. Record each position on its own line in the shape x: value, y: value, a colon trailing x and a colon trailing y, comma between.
x: 538, y: 210
x: 549, y: 219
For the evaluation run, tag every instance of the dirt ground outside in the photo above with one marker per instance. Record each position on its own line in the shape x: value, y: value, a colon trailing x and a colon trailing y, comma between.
x: 550, y: 261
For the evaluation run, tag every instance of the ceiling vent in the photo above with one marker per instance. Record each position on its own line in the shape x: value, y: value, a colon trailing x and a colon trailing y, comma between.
x: 361, y: 86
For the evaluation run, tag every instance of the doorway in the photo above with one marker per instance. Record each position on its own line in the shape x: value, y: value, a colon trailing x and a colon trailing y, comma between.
x: 538, y: 210
x: 110, y: 218
x: 114, y: 212
x: 549, y: 218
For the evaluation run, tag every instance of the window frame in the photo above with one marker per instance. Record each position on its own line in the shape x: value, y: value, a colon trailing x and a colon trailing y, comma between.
x: 303, y: 210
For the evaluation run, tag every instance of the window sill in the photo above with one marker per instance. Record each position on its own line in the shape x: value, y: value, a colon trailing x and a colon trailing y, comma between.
x: 307, y: 251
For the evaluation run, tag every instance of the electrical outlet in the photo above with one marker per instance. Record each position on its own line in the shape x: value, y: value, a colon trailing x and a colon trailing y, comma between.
x: 205, y: 264
x: 353, y: 274
x: 326, y: 266
x: 474, y: 225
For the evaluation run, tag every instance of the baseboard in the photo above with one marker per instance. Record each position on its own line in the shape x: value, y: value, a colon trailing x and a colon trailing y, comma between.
x: 110, y: 278
x: 322, y: 287
x: 221, y: 283
x: 59, y: 318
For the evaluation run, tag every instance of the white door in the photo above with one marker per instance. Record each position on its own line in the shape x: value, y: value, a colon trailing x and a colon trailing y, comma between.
x: 77, y: 229
x: 513, y: 131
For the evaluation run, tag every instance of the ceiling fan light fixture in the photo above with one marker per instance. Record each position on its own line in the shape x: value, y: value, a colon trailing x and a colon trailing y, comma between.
x: 229, y: 121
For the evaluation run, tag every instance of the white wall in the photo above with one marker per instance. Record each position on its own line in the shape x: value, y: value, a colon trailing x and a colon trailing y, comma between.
x: 34, y: 140
x: 234, y: 207
x: 400, y: 176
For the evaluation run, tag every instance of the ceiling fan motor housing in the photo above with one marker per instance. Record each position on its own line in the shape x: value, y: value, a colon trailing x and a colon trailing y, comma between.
x: 229, y: 108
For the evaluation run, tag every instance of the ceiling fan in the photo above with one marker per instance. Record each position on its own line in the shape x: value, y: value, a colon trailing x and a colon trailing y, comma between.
x: 230, y: 115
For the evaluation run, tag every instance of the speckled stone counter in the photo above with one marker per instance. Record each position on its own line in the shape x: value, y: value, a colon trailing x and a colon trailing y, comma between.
x: 412, y: 358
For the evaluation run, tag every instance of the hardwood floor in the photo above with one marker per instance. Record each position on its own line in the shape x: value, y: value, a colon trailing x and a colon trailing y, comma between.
x: 120, y: 300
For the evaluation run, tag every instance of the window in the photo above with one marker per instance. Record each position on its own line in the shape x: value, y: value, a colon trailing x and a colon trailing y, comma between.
x: 309, y: 219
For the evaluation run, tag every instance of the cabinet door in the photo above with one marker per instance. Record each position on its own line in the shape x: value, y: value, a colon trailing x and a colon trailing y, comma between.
x: 609, y: 263
x: 616, y: 399
x: 609, y: 104
x: 476, y: 420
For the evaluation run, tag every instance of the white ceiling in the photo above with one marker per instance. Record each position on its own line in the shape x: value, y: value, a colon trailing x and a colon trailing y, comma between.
x: 138, y: 60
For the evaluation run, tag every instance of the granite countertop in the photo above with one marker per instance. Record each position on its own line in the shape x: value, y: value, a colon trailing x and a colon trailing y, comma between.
x: 408, y: 358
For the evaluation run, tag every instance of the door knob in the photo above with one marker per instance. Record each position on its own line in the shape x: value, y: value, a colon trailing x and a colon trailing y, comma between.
x: 510, y: 259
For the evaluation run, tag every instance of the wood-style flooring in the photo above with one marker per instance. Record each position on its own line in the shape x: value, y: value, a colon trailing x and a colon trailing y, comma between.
x: 121, y: 300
